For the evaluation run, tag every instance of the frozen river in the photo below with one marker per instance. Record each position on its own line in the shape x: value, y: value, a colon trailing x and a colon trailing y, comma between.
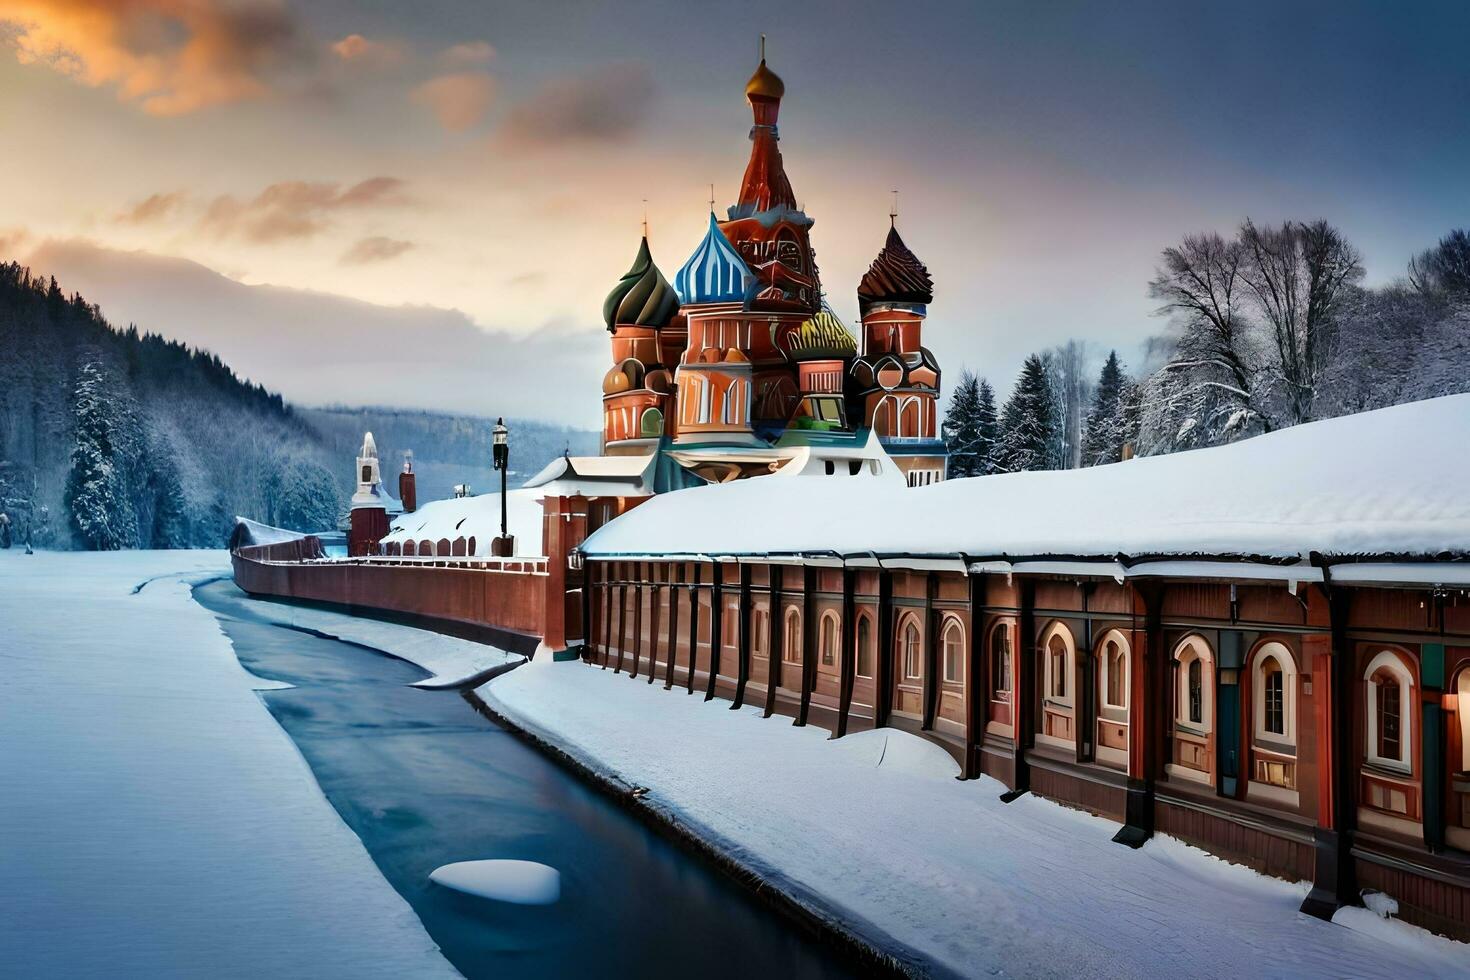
x: 425, y: 781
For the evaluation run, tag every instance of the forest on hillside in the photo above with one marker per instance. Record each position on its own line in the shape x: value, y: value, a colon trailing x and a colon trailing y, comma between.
x: 119, y: 439
x: 1267, y: 327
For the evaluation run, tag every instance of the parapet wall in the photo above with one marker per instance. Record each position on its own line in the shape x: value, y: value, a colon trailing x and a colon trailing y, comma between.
x: 508, y: 595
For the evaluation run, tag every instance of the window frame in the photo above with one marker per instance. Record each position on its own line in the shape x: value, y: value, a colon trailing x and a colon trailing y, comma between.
x: 1058, y: 630
x: 1125, y: 651
x: 1000, y: 670
x: 913, y: 651
x: 1281, y: 655
x: 950, y: 626
x: 1392, y: 662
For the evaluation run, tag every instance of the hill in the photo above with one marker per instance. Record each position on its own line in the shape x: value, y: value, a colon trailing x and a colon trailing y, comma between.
x: 118, y: 439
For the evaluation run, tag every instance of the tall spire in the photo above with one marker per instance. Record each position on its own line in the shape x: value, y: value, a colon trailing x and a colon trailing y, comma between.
x: 765, y: 185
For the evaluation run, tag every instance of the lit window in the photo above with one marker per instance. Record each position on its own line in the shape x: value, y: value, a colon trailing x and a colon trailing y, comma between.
x: 1390, y: 686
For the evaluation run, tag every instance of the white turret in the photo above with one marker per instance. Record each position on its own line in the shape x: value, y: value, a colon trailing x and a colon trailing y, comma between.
x: 369, y: 479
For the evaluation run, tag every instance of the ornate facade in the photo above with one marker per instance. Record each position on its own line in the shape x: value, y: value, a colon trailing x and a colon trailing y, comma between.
x: 741, y: 369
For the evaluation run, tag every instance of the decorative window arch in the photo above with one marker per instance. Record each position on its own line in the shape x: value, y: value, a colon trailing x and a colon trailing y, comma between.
x: 1194, y: 696
x: 1273, y: 685
x: 913, y: 649
x: 1113, y: 669
x: 791, y: 651
x: 1390, y: 700
x: 732, y: 411
x: 651, y: 424
x: 885, y: 416
x: 864, y: 666
x: 952, y: 648
x: 831, y: 633
x: 1000, y: 662
x: 1059, y: 658
x: 908, y: 417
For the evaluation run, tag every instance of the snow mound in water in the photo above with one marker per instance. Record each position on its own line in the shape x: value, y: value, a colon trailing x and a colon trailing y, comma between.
x: 899, y: 752
x: 520, y: 882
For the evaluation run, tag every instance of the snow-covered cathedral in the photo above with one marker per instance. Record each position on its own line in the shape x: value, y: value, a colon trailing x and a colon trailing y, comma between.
x: 740, y: 368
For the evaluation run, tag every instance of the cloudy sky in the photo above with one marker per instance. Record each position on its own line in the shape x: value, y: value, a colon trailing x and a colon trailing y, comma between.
x: 425, y: 203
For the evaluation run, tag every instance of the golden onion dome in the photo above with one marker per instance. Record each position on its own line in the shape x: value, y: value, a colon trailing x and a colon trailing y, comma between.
x: 616, y: 381
x: 765, y: 84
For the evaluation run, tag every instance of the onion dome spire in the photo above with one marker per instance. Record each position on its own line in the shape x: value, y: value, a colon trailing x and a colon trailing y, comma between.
x: 643, y: 297
x: 765, y: 185
x: 715, y: 273
x: 896, y: 276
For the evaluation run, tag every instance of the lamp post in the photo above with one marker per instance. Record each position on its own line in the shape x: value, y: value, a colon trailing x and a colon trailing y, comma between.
x: 504, y: 545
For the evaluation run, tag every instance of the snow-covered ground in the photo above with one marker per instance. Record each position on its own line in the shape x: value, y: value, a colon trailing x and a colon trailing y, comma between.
x: 155, y: 821
x: 875, y: 830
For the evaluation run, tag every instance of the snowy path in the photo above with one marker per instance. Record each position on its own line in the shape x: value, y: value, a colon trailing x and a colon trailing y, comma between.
x: 155, y: 820
x: 975, y: 885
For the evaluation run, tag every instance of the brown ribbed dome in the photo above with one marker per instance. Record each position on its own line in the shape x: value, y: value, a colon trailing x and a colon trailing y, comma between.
x: 896, y: 276
x: 765, y: 84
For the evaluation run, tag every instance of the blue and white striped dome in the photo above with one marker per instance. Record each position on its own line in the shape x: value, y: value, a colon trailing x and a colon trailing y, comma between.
x: 715, y: 273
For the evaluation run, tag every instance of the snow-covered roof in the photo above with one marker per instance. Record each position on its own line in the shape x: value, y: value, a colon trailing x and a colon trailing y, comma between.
x: 595, y: 476
x: 248, y: 532
x: 477, y: 517
x: 1385, y: 483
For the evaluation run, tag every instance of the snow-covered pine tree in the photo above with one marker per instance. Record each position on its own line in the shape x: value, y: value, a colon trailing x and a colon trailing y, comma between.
x: 961, y: 432
x: 987, y: 431
x: 1103, y: 439
x: 1028, y: 423
x: 96, y: 490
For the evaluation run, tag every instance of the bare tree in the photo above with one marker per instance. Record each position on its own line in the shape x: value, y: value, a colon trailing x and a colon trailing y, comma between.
x: 1213, y: 362
x: 1297, y: 276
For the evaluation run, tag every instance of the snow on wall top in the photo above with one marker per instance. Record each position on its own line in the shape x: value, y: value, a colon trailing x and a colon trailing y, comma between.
x: 478, y: 517
x: 1390, y: 482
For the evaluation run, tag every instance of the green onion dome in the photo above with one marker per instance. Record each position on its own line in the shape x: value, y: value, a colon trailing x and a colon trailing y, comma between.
x: 643, y: 297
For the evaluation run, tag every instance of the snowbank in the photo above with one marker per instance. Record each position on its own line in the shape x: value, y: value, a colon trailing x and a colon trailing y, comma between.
x: 450, y: 659
x: 892, y: 845
x: 156, y: 820
x: 1389, y: 482
x: 464, y: 517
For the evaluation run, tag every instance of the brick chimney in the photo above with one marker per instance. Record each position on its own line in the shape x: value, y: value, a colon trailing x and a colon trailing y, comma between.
x: 407, y: 492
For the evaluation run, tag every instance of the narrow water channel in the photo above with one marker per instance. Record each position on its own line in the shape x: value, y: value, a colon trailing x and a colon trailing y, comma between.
x: 424, y: 781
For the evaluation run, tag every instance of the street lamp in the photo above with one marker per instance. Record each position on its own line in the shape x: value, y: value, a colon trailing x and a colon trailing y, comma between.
x: 504, y: 546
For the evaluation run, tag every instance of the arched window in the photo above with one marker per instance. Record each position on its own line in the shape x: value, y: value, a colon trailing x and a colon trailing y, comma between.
x: 953, y: 645
x: 1390, y: 687
x: 864, y: 647
x: 1273, y: 705
x: 758, y: 626
x: 913, y: 660
x: 652, y: 423
x: 1275, y: 694
x: 791, y: 652
x: 1000, y: 662
x: 1462, y: 709
x: 829, y: 639
x: 733, y: 411
x: 1059, y: 665
x: 908, y: 422
x: 1194, y: 684
x: 1114, y: 666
